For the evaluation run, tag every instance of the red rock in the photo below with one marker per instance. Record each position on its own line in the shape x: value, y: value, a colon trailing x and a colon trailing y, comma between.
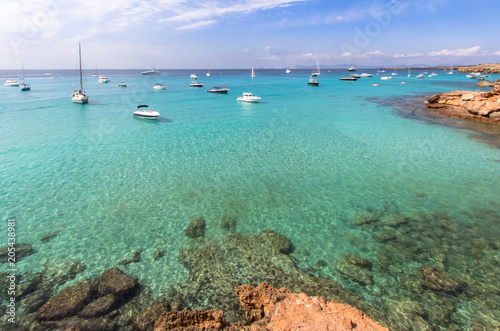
x: 191, y: 320
x: 259, y: 301
x: 272, y: 309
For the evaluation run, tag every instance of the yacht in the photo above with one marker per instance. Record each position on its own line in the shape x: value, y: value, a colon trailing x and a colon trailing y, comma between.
x: 218, y: 90
x: 366, y: 75
x: 23, y: 86
x: 312, y: 81
x: 103, y: 79
x: 351, y: 78
x: 144, y: 112
x: 193, y: 76
x: 248, y: 97
x: 317, y: 71
x: 404, y: 83
x: 420, y: 76
x: 151, y: 72
x: 356, y: 75
x: 352, y: 68
x: 159, y: 86
x: 386, y: 77
x: 11, y: 82
x: 196, y: 84
x: 375, y: 84
x: 288, y: 71
x: 79, y: 96
x: 122, y: 84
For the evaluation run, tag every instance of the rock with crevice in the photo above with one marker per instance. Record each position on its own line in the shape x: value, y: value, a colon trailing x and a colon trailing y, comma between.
x: 439, y: 280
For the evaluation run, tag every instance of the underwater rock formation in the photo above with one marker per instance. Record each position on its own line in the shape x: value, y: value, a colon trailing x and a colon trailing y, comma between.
x: 191, y: 320
x: 196, y: 228
x: 22, y: 250
x: 480, y: 106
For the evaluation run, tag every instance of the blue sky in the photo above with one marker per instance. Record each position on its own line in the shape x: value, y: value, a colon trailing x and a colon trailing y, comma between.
x: 175, y: 34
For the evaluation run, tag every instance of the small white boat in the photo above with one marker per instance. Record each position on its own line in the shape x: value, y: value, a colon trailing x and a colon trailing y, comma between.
x: 144, y: 112
x: 352, y: 68
x: 196, y: 84
x: 403, y: 83
x: 450, y: 72
x: 193, y: 76
x: 350, y: 78
x: 375, y: 84
x: 151, y: 72
x: 434, y: 74
x: 386, y: 77
x: 248, y: 97
x: 11, y: 82
x: 218, y: 90
x: 79, y: 96
x: 95, y: 74
x: 288, y: 71
x: 122, y: 84
x: 420, y: 76
x: 159, y: 86
x: 409, y: 72
x: 366, y: 75
x: 103, y: 79
x: 253, y: 72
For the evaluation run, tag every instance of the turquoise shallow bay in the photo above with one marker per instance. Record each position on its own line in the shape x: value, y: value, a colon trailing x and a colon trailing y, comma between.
x: 303, y: 163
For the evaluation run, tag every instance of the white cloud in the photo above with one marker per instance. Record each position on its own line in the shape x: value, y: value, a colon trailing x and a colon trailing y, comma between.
x: 196, y: 25
x: 459, y: 52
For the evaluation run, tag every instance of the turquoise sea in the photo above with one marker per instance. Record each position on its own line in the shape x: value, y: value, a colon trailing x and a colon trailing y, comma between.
x: 303, y: 162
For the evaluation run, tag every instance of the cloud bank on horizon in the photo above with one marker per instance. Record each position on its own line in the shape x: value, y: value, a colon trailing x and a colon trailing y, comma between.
x: 241, y: 33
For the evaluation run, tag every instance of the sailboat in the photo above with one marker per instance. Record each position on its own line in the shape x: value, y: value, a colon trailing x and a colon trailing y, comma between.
x: 253, y: 72
x: 79, y: 96
x: 394, y: 73
x: 208, y: 73
x: 23, y: 86
x: 409, y: 72
x: 451, y: 71
x: 316, y: 72
x: 95, y: 75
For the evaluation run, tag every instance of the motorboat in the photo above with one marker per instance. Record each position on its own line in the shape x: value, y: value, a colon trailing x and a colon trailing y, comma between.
x: 218, y: 90
x: 386, y: 77
x: 352, y: 68
x: 11, y: 82
x: 196, y: 84
x: 404, y: 83
x: 159, y: 86
x: 151, y: 72
x: 144, y: 112
x: 122, y: 84
x: 433, y: 74
x: 193, y: 76
x: 288, y: 71
x: 79, y: 96
x: 366, y: 75
x: 351, y: 78
x: 375, y: 84
x: 421, y: 76
x: 248, y: 97
x: 356, y: 75
x: 103, y: 79
x: 312, y: 81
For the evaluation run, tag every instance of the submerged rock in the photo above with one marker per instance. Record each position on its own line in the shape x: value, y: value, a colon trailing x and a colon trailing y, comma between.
x: 115, y: 281
x: 132, y: 257
x: 196, y: 228
x: 145, y: 320
x: 51, y: 235
x: 228, y: 223
x: 357, y: 268
x: 21, y: 251
x: 68, y: 302
x: 439, y: 280
x: 362, y: 217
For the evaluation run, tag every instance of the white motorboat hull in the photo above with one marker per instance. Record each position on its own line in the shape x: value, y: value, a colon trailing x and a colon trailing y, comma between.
x: 248, y: 99
x: 159, y: 87
x: 12, y: 84
x: 146, y: 115
x: 102, y: 81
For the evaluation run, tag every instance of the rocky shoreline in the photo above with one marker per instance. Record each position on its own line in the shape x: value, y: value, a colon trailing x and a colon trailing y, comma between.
x: 478, y: 106
x: 492, y: 68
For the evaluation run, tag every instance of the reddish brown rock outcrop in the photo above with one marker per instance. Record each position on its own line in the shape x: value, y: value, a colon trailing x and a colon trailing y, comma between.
x: 191, y: 320
x: 480, y: 106
x: 282, y: 310
x: 483, y: 68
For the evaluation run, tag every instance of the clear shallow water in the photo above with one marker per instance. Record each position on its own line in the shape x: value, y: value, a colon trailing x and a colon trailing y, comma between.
x: 301, y: 162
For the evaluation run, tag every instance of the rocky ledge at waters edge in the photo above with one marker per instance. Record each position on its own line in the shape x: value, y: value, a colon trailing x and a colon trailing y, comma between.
x: 479, y: 106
